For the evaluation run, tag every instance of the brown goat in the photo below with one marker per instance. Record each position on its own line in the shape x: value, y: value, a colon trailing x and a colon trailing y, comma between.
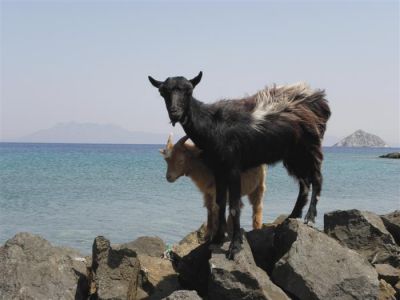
x: 183, y: 159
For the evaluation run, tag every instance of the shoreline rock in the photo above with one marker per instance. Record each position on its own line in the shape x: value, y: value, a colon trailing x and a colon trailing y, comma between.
x: 394, y: 155
x: 284, y: 260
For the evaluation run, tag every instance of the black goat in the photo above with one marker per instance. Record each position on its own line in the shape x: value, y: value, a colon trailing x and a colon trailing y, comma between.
x: 281, y: 123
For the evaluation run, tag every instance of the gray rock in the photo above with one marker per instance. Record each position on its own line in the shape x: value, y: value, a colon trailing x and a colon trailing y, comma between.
x: 194, y: 270
x: 183, y: 295
x: 365, y: 233
x: 239, y: 278
x: 31, y: 268
x: 388, y: 273
x: 386, y: 291
x: 190, y: 241
x: 391, y: 155
x: 151, y: 246
x: 261, y: 242
x: 361, y: 138
x: 115, y: 272
x: 392, y: 224
x: 313, y: 266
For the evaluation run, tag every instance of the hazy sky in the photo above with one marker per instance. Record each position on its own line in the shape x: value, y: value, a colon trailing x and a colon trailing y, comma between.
x: 88, y: 61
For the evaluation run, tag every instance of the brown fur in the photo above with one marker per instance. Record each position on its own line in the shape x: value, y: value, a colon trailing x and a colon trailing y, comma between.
x: 183, y: 159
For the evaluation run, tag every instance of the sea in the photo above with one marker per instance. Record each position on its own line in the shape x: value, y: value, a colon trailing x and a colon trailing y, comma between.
x: 71, y: 193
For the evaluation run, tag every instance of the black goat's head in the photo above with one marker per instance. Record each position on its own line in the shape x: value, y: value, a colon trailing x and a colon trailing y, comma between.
x: 177, y: 92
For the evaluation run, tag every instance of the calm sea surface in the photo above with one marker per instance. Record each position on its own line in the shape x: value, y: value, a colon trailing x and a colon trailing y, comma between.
x: 70, y: 193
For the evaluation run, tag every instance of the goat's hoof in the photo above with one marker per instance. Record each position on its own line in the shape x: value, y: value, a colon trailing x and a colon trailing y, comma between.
x: 234, y: 248
x: 217, y: 239
x: 309, y: 219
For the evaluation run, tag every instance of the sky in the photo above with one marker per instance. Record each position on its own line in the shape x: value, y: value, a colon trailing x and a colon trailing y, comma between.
x: 88, y: 61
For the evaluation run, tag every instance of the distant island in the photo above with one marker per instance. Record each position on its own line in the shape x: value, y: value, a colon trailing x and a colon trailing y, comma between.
x: 361, y: 138
x: 92, y: 133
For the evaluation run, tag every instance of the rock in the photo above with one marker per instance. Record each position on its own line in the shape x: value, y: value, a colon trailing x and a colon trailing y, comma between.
x: 361, y: 138
x: 391, y: 155
x: 261, y: 242
x: 150, y: 246
x: 310, y: 265
x: 183, y: 295
x: 365, y: 233
x: 194, y: 270
x: 388, y: 273
x: 386, y: 291
x: 239, y: 278
x: 161, y: 278
x: 31, y: 268
x: 190, y: 242
x: 392, y: 224
x: 115, y: 272
x: 397, y: 289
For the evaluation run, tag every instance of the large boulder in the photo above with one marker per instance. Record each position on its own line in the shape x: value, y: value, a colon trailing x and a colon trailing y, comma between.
x: 310, y: 265
x: 115, y: 272
x: 194, y: 269
x: 146, y: 245
x: 191, y: 241
x: 183, y: 295
x: 365, y: 233
x: 31, y: 268
x: 392, y: 224
x: 261, y: 242
x: 239, y: 278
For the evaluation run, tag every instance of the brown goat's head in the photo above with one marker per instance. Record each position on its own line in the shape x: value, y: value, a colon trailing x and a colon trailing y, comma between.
x: 177, y: 157
x: 177, y: 92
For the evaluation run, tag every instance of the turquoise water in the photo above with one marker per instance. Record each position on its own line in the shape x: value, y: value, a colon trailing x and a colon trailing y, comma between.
x: 70, y: 193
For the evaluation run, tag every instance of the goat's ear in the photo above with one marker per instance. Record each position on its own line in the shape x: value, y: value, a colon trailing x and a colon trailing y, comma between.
x: 192, y: 149
x: 154, y: 82
x: 170, y: 145
x: 163, y: 152
x: 195, y: 81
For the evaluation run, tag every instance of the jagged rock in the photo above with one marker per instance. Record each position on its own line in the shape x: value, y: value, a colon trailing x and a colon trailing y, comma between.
x: 161, y: 278
x: 388, y: 273
x: 391, y: 155
x: 194, y: 269
x: 183, y: 295
x: 115, y: 272
x: 261, y: 242
x: 239, y: 278
x: 361, y: 138
x: 311, y: 266
x: 150, y: 246
x: 397, y: 289
x: 190, y: 242
x: 392, y: 224
x: 31, y: 268
x: 365, y: 233
x: 386, y: 291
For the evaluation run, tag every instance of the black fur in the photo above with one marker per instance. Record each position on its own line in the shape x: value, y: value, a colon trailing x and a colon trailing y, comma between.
x: 225, y: 132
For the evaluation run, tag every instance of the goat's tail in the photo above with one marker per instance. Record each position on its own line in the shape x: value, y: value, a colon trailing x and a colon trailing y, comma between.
x: 320, y: 107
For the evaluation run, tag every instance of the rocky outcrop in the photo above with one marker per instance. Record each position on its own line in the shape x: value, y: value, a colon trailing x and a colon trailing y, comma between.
x: 183, y: 295
x: 31, y: 268
x: 115, y: 272
x: 284, y: 260
x: 392, y: 224
x: 391, y: 155
x: 239, y: 278
x: 312, y: 265
x: 361, y: 138
x: 365, y: 233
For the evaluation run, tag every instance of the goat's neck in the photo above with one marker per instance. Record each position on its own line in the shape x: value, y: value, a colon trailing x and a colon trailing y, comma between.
x: 199, y: 173
x: 198, y: 123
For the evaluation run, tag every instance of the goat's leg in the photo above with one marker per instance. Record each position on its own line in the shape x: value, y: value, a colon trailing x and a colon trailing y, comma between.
x: 316, y: 181
x: 211, y: 216
x: 234, y: 211
x: 220, y: 191
x: 302, y: 199
x: 256, y: 200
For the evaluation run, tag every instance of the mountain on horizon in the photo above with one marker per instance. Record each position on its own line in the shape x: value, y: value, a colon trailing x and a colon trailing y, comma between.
x: 92, y: 133
x: 361, y: 138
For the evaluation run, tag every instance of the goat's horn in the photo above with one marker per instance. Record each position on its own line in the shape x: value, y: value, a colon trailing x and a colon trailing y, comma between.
x: 183, y: 140
x: 169, y: 142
